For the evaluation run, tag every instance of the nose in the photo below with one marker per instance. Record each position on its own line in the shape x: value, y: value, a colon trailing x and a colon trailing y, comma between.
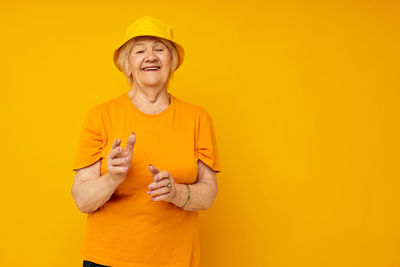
x: 150, y: 56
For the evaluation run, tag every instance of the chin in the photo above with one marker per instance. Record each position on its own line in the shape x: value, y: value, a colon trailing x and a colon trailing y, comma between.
x: 152, y: 83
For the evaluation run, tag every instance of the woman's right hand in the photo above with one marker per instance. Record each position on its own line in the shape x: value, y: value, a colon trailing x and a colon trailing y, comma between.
x: 119, y: 160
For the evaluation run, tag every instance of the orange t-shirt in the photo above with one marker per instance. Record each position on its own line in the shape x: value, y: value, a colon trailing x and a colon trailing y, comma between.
x: 130, y: 229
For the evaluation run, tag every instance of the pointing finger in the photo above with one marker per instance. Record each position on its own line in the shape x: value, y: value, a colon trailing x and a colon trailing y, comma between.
x: 116, y: 143
x: 130, y: 143
x: 115, y: 152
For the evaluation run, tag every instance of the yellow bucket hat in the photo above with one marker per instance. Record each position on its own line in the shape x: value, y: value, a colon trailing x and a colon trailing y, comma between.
x: 150, y: 26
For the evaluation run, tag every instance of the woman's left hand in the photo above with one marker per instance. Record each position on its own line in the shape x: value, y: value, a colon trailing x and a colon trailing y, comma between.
x: 159, y: 188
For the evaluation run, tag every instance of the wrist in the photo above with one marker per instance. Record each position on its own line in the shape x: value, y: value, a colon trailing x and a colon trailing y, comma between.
x: 188, y: 196
x: 180, y: 196
x: 114, y: 181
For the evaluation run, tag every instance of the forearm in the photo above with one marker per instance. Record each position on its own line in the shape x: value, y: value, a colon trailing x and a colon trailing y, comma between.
x: 202, y: 196
x: 92, y: 194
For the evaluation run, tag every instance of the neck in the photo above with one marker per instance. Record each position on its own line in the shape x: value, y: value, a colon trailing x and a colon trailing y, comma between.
x: 150, y: 100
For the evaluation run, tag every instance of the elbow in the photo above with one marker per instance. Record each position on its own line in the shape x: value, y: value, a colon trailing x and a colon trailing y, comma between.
x: 85, y: 209
x: 213, y: 195
x: 80, y: 204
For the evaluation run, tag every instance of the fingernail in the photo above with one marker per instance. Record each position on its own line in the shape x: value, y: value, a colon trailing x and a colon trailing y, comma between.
x: 150, y: 187
x: 119, y: 148
x: 156, y: 177
x: 149, y: 192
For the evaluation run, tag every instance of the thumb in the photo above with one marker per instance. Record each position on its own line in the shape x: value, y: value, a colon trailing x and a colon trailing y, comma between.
x: 130, y: 143
x: 153, y: 170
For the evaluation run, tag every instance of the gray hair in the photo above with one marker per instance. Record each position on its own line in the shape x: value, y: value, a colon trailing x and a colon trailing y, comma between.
x: 125, y: 51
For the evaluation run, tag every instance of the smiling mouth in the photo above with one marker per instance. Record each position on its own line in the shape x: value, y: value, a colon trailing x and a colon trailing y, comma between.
x: 151, y: 69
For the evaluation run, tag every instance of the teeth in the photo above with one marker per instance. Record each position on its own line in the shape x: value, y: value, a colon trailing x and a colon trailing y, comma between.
x: 152, y: 68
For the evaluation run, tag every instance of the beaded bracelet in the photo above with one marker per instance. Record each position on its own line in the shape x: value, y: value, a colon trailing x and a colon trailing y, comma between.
x: 188, y: 196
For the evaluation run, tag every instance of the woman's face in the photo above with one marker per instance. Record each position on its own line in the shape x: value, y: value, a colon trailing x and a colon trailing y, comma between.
x: 149, y: 51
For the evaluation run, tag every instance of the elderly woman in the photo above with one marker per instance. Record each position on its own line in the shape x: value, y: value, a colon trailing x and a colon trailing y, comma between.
x: 143, y: 199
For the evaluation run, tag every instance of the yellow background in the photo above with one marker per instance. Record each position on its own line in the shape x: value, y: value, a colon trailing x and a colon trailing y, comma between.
x: 304, y: 96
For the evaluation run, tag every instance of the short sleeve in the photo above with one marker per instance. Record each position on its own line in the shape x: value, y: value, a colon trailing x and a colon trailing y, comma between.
x: 91, y: 140
x: 206, y: 142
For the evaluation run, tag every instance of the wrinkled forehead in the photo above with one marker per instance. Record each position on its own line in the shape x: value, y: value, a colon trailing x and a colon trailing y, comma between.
x: 147, y: 39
